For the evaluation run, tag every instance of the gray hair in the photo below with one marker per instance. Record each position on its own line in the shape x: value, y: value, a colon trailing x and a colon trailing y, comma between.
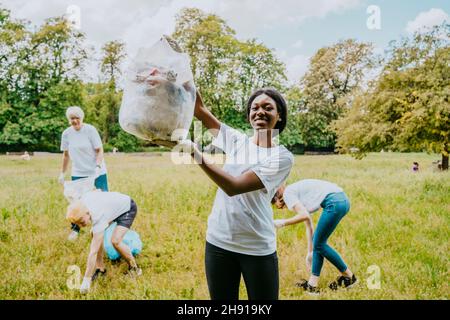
x: 74, y: 111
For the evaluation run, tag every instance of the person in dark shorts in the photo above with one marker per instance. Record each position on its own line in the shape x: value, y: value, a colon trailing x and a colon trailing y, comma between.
x: 101, y: 209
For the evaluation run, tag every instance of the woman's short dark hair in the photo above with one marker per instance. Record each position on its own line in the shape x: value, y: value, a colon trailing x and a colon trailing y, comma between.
x: 279, y: 100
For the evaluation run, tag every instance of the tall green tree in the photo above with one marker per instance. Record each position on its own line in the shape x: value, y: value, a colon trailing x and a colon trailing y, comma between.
x: 13, y: 38
x: 335, y: 73
x: 211, y: 44
x: 103, y: 100
x: 225, y: 69
x: 292, y: 136
x: 44, y: 66
x: 407, y: 108
x: 102, y: 104
x: 113, y: 56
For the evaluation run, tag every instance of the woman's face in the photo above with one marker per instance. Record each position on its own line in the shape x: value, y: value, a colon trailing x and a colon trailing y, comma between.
x: 279, y: 203
x: 278, y: 199
x: 76, y: 122
x: 85, y: 220
x: 263, y: 113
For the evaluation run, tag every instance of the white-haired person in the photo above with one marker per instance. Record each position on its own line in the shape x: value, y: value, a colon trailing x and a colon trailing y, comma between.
x: 81, y: 143
x: 100, y: 209
x: 304, y: 198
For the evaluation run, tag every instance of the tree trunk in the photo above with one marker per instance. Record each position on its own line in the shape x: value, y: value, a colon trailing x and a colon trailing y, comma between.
x: 444, y: 162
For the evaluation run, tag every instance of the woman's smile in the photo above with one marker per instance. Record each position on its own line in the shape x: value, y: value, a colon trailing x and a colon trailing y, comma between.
x: 263, y: 113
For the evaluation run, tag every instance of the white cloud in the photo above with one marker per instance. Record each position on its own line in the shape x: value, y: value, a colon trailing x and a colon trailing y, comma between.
x: 104, y: 20
x: 101, y: 20
x: 426, y: 20
x: 296, y: 66
x: 140, y: 22
x: 247, y: 16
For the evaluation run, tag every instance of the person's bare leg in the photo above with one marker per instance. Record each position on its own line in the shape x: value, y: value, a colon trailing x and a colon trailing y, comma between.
x: 100, y: 264
x: 124, y: 250
x: 313, y: 280
x: 347, y: 273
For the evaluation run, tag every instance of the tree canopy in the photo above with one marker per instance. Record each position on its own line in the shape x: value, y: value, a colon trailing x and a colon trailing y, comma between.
x: 407, y: 107
x: 340, y: 103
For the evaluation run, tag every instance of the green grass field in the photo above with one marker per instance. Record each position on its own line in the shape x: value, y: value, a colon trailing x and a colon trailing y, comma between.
x: 399, y: 222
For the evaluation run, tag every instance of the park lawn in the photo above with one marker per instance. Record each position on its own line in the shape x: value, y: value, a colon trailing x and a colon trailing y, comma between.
x: 398, y: 224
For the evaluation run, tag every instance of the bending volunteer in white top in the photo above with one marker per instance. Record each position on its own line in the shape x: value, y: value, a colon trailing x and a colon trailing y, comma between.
x: 100, y: 209
x: 308, y: 196
x: 105, y: 207
x: 304, y: 198
x: 310, y: 192
x: 244, y: 223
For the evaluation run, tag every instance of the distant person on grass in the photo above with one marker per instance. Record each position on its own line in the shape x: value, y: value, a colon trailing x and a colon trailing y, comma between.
x: 100, y: 209
x: 81, y: 143
x: 26, y: 156
x: 415, y: 167
x: 304, y: 198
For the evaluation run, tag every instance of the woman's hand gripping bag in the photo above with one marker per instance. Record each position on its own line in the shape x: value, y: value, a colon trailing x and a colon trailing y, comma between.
x: 159, y: 96
x: 131, y: 239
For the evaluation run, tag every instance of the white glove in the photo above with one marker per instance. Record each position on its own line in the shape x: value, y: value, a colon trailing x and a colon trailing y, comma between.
x: 308, y: 260
x: 98, y: 170
x: 86, y: 285
x: 61, y: 178
x: 279, y: 223
x: 187, y: 146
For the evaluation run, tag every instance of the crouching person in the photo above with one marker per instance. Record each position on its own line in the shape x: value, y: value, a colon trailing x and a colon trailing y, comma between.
x: 100, y: 209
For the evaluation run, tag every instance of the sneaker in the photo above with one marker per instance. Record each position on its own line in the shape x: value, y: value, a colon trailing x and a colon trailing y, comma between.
x: 135, y: 271
x: 98, y: 273
x: 308, y: 288
x: 73, y: 236
x: 344, y: 282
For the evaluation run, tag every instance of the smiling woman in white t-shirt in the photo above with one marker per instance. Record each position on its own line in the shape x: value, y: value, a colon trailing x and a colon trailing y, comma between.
x: 241, y: 238
x: 81, y: 143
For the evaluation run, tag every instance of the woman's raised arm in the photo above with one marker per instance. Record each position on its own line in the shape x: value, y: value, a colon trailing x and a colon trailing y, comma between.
x: 205, y: 116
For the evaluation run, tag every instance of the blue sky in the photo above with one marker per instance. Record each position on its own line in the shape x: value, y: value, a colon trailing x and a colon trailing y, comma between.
x: 295, y: 29
x: 316, y: 32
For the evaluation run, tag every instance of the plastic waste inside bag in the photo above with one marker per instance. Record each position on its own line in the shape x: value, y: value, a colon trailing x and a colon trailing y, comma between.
x: 74, y: 190
x: 159, y: 95
x: 131, y: 239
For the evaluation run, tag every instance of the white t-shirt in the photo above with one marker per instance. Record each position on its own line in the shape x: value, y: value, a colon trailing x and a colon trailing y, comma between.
x: 81, y: 146
x: 309, y: 192
x: 244, y: 223
x: 105, y: 207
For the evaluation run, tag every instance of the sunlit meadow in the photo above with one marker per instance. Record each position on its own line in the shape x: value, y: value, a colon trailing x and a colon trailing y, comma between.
x: 398, y: 225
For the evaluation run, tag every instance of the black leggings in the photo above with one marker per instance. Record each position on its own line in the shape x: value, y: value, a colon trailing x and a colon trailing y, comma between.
x: 224, y: 269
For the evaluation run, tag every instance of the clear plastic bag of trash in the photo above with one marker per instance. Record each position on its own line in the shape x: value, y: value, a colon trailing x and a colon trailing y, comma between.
x: 159, y: 95
x: 131, y: 239
x: 74, y: 190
